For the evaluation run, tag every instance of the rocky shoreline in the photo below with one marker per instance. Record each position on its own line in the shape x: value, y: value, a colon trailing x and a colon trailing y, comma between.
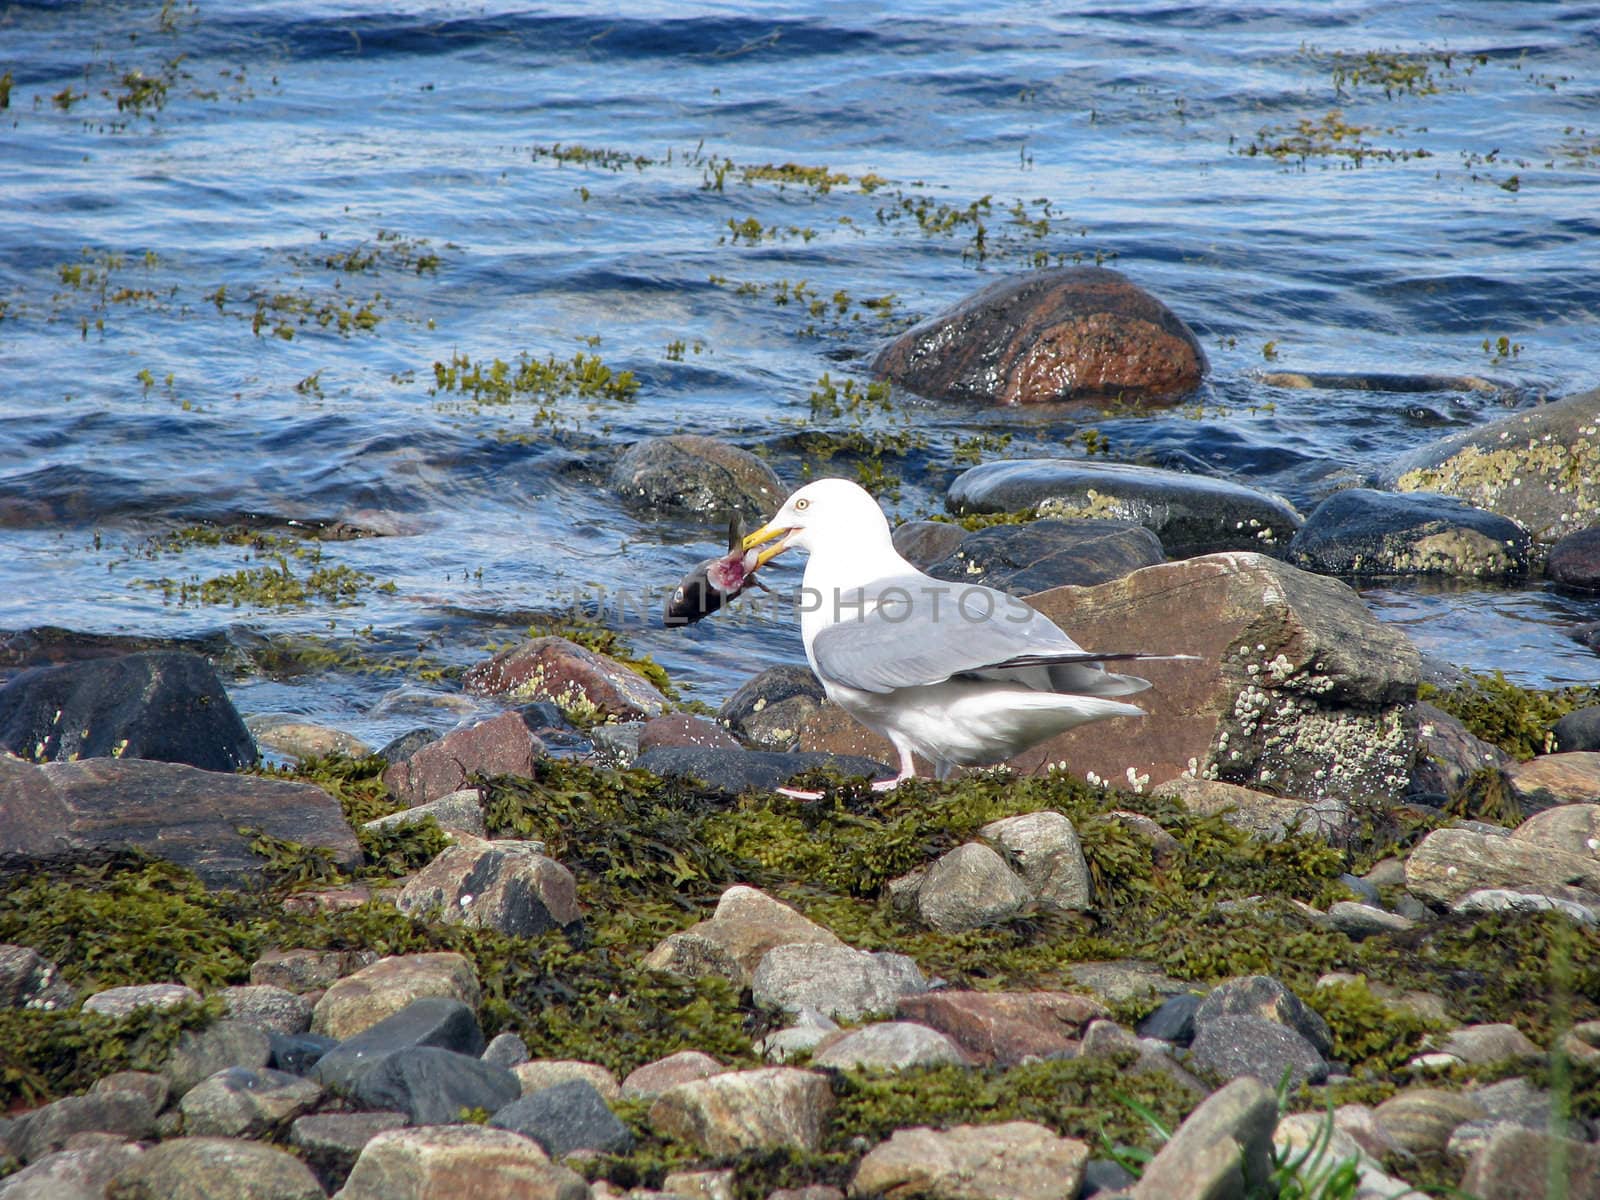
x: 1328, y: 917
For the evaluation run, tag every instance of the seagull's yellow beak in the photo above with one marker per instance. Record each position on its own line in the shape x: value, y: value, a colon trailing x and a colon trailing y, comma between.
x: 766, y: 534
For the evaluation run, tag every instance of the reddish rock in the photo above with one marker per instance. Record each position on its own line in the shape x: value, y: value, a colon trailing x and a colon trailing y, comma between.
x: 1575, y: 560
x: 552, y: 668
x: 656, y: 1077
x: 1072, y: 334
x: 1555, y: 779
x: 502, y: 745
x: 1295, y: 689
x: 684, y: 729
x: 1006, y: 1027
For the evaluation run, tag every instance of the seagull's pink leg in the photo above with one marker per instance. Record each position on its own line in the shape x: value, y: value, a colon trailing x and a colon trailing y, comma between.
x: 908, y: 770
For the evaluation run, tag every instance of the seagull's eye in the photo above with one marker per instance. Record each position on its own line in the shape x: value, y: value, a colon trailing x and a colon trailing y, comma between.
x: 801, y: 505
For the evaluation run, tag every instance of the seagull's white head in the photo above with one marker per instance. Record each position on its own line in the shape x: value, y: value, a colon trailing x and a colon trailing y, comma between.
x: 829, y: 512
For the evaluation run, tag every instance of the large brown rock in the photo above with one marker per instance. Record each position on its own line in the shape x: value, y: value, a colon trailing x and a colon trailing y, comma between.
x: 746, y: 1110
x: 360, y: 1001
x: 1295, y: 689
x: 66, y: 812
x: 435, y: 1161
x: 1451, y: 863
x: 1553, y: 780
x: 1072, y: 334
x: 502, y: 745
x: 570, y: 675
x: 731, y: 942
x: 1019, y: 1160
x: 206, y: 1168
x: 503, y: 885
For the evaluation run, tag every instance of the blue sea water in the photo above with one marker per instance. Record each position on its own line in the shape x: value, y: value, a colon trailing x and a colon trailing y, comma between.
x: 236, y: 239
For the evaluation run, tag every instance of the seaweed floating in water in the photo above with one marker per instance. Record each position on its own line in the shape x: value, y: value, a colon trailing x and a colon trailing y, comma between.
x: 714, y: 582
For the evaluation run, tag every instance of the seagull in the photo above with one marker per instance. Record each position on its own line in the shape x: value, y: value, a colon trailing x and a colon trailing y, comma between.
x: 962, y: 674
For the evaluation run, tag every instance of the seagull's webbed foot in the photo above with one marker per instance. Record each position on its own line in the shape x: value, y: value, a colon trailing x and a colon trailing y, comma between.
x: 877, y: 785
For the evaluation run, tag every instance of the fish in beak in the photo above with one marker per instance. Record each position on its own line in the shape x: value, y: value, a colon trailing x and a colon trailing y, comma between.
x: 717, y: 580
x: 763, y: 535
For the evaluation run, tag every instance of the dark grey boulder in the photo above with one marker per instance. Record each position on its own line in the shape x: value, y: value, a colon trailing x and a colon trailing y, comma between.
x: 1366, y: 532
x: 435, y: 1021
x: 158, y: 704
x: 768, y: 710
x: 1229, y: 1047
x: 60, y: 813
x: 1191, y: 514
x: 733, y: 772
x: 1173, y: 1021
x: 402, y: 747
x: 566, y: 1117
x: 297, y: 1053
x: 1039, y: 555
x: 923, y: 543
x: 1263, y: 996
x: 203, y: 1052
x: 46, y: 1130
x: 1578, y: 730
x: 699, y: 476
x: 436, y: 1087
x: 1575, y: 560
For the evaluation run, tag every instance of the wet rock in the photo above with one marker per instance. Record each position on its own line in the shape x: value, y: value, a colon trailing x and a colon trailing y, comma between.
x: 1006, y: 1028
x: 331, y: 1142
x: 737, y: 1111
x: 731, y: 943
x: 307, y: 970
x: 616, y: 745
x: 502, y: 745
x: 301, y: 740
x: 570, y: 675
x: 437, y: 1021
x: 208, y: 1168
x: 1046, y: 850
x: 1228, y: 1047
x: 699, y: 476
x: 80, y: 1174
x: 1016, y: 1159
x: 28, y: 980
x: 1450, y: 863
x: 734, y: 772
x: 1173, y: 1021
x: 889, y: 1046
x: 1063, y: 335
x: 271, y: 1009
x: 1570, y: 828
x: 1265, y: 818
x: 653, y: 1078
x: 684, y: 729
x: 1190, y: 514
x: 923, y: 543
x: 1263, y: 996
x: 1364, y: 532
x: 201, y: 1053
x: 1578, y: 730
x: 1482, y: 1044
x: 239, y: 1102
x: 128, y: 1114
x: 507, y: 886
x: 64, y: 812
x: 125, y: 1001
x: 403, y: 746
x: 968, y: 888
x: 434, y: 1086
x: 458, y: 1160
x: 1421, y: 1120
x: 1574, y: 561
x: 547, y: 1072
x: 566, y: 1117
x: 1224, y: 1148
x: 1297, y: 689
x: 1359, y: 921
x: 457, y: 812
x: 361, y: 1000
x: 161, y: 705
x: 1539, y: 467
x: 1555, y: 779
x: 1038, y: 555
x: 839, y: 982
x: 1516, y: 1165
x: 768, y: 710
x: 1449, y: 754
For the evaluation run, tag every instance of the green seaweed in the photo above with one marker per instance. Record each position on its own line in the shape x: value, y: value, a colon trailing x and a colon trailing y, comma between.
x: 1516, y: 719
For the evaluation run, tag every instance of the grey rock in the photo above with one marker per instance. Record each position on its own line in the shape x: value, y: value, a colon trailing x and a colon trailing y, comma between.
x: 383, y: 988
x: 505, y: 1050
x: 1173, y: 1021
x: 298, y: 1053
x: 307, y: 970
x: 238, y: 1102
x: 1570, y: 828
x: 768, y: 709
x: 733, y: 772
x: 269, y: 1008
x: 1020, y: 1160
x: 46, y: 1130
x: 1038, y: 555
x: 840, y: 982
x: 508, y: 886
x: 1190, y: 514
x: 458, y: 1160
x: 1450, y: 863
x: 1048, y: 854
x: 1364, y: 920
x: 333, y: 1141
x: 1578, y: 730
x: 1516, y: 1164
x: 436, y: 1021
x: 1364, y: 532
x: 1223, y: 1149
x: 80, y: 1174
x: 1574, y: 562
x: 923, y: 543
x: 768, y: 1108
x: 698, y: 476
x: 205, y: 1168
x: 402, y: 747
x: 1229, y: 1047
x: 1421, y: 1120
x: 731, y: 942
x: 1484, y: 1044
x: 1449, y: 753
x: 566, y: 1117
x: 1263, y: 996
x: 434, y: 1086
x: 457, y: 812
x: 154, y: 1088
x: 890, y: 1046
x: 125, y: 1001
x: 1264, y: 817
x: 616, y: 743
x: 200, y: 1053
x: 163, y: 705
x: 28, y: 980
x: 968, y: 888
x: 1584, y: 911
x: 810, y: 1028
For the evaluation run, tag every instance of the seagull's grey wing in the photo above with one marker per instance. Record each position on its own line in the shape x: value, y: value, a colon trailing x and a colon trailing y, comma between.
x: 905, y: 631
